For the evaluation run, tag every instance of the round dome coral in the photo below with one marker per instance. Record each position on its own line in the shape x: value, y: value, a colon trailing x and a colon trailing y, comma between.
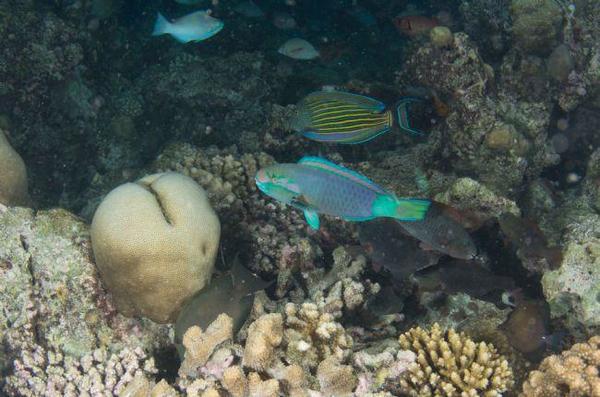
x: 155, y: 243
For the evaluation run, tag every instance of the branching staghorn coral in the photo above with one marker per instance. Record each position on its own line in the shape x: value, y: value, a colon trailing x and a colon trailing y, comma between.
x: 451, y: 364
x: 573, y: 373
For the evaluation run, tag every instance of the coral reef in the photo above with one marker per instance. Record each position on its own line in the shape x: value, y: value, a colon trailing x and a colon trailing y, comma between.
x: 468, y: 194
x: 493, y: 135
x: 573, y: 288
x: 200, y: 345
x: 451, y: 364
x: 312, y: 335
x: 536, y: 25
x: 155, y: 243
x: 264, y: 335
x: 13, y: 177
x: 60, y: 331
x: 575, y: 372
x: 90, y: 102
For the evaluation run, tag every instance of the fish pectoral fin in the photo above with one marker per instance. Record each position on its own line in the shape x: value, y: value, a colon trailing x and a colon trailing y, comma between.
x: 312, y: 218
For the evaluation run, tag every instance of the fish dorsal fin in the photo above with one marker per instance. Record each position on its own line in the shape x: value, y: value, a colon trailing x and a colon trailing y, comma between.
x: 364, y: 102
x: 326, y: 165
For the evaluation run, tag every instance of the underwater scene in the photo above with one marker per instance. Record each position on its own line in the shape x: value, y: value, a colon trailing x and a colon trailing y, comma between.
x: 334, y: 198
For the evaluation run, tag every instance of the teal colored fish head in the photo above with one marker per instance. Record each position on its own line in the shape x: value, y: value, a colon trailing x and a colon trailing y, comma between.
x: 275, y: 181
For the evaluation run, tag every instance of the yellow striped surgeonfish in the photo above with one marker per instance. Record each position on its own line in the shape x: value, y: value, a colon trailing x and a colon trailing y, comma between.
x: 342, y: 117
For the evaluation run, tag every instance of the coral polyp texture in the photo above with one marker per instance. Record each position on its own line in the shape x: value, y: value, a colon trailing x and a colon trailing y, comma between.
x: 573, y: 373
x: 451, y: 364
x: 155, y: 243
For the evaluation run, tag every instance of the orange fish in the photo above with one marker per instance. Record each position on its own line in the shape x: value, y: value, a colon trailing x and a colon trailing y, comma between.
x: 414, y: 25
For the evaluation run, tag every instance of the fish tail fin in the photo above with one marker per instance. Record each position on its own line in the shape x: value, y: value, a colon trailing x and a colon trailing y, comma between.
x: 161, y: 25
x: 400, y: 209
x: 403, y: 118
x: 412, y: 209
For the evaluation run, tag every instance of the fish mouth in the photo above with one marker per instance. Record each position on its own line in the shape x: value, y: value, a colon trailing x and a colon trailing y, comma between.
x: 261, y: 179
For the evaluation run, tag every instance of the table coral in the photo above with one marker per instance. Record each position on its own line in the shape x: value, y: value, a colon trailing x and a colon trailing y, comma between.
x: 573, y: 373
x: 451, y: 364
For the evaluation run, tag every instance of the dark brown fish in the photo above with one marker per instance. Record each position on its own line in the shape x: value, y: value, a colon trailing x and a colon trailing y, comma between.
x: 440, y: 231
x: 472, y: 279
x: 527, y: 326
x: 532, y: 247
x: 387, y: 245
x: 231, y: 293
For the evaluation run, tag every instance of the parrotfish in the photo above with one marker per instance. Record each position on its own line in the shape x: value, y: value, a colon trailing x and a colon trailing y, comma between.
x: 440, y: 232
x: 390, y: 248
x: 342, y: 117
x: 196, y: 26
x: 298, y: 49
x: 315, y: 185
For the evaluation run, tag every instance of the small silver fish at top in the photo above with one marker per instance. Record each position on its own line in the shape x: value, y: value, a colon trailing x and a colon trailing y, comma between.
x: 298, y: 49
x: 196, y: 26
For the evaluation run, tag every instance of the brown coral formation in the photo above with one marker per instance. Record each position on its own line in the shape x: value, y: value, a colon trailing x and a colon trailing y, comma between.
x: 264, y: 335
x: 451, y: 364
x: 312, y: 334
x: 573, y: 373
x: 200, y: 345
x: 336, y: 379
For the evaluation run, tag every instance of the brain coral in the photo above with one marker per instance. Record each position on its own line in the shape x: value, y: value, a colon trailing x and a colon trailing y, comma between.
x: 451, y: 364
x: 155, y: 243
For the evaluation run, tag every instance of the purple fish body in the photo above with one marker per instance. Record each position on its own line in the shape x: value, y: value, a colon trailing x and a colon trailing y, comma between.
x: 334, y: 195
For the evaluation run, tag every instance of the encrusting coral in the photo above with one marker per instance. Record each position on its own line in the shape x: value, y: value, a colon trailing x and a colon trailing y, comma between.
x: 451, y: 364
x: 573, y: 373
x: 155, y: 243
x: 59, y: 332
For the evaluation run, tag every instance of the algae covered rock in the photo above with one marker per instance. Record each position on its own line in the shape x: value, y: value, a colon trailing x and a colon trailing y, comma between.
x: 573, y: 290
x: 536, y: 24
x: 57, y: 325
x: 155, y: 243
x: 13, y: 175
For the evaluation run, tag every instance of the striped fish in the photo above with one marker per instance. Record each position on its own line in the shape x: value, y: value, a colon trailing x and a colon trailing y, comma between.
x: 343, y: 117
